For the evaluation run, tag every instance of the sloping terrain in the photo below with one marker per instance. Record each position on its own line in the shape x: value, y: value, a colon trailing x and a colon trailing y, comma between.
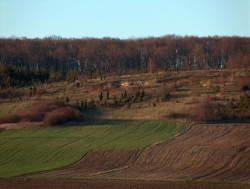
x: 204, y: 152
x: 27, y: 151
x: 95, y: 163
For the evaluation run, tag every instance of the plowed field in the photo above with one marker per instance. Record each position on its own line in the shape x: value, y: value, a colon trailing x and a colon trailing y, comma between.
x: 204, y: 152
x: 96, y: 163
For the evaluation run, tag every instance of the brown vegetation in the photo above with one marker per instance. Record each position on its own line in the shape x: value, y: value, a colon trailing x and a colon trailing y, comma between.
x: 59, y: 58
x: 47, y: 111
x: 62, y: 115
x: 194, y: 95
x: 34, y: 113
x: 243, y: 83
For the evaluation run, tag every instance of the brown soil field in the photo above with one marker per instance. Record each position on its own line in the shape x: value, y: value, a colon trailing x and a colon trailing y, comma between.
x: 94, y: 163
x: 212, y: 152
x: 204, y: 152
x: 113, y: 184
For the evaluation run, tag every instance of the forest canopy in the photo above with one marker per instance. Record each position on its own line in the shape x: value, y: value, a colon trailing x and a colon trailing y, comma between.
x: 94, y: 57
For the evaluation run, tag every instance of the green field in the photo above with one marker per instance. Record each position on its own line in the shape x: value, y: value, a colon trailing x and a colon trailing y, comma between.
x: 32, y: 150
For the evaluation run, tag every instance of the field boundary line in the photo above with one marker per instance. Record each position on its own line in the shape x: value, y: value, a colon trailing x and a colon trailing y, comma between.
x: 144, y: 150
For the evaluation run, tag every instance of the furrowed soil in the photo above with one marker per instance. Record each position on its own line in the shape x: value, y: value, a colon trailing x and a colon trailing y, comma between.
x: 204, y: 152
x: 96, y: 162
x: 212, y: 152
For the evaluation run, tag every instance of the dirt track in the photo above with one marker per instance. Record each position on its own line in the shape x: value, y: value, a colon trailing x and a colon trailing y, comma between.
x: 204, y: 152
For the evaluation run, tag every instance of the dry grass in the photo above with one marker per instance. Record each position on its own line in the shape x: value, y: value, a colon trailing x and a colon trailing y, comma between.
x: 187, y: 90
x: 21, y: 125
x: 242, y: 81
x: 12, y: 107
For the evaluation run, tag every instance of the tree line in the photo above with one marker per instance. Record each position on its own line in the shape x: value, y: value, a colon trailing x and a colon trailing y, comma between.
x: 54, y: 56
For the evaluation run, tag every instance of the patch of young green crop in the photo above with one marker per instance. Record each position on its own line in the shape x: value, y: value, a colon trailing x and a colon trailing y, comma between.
x: 32, y: 150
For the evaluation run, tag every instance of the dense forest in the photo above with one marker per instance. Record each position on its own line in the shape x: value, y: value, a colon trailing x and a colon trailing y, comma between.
x: 24, y: 60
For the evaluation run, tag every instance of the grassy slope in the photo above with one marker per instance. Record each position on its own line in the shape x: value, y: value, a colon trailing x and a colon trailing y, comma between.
x: 27, y: 151
x: 186, y: 92
x: 7, y: 108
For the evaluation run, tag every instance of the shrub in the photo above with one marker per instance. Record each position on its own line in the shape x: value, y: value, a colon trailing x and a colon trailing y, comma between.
x: 176, y: 115
x: 100, y: 96
x: 62, y: 115
x: 237, y: 108
x: 166, y: 96
x: 38, y: 110
x: 205, y: 111
x: 33, y: 113
x: 216, y: 89
x: 10, y: 118
x: 245, y: 88
x: 77, y: 84
x: 4, y: 93
x: 67, y: 99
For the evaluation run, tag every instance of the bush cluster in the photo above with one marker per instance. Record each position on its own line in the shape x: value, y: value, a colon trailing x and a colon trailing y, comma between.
x: 34, y: 113
x: 62, y: 115
x: 236, y: 109
x: 208, y: 110
x: 48, y: 111
x: 205, y: 111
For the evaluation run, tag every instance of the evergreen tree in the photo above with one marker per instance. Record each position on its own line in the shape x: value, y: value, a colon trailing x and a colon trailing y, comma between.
x: 125, y: 94
x: 166, y: 96
x: 107, y: 94
x: 67, y: 99
x: 101, y: 96
x: 30, y: 92
x: 143, y: 93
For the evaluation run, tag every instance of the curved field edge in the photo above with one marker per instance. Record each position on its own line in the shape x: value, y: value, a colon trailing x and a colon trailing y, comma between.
x: 95, y: 163
x: 33, y: 150
x: 204, y: 152
x: 114, y: 184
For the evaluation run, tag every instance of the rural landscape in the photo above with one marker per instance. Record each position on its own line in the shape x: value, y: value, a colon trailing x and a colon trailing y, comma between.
x: 156, y: 112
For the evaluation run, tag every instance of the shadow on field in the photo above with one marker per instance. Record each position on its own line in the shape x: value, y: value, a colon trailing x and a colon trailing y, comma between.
x: 92, y: 118
x: 100, y: 122
x: 95, y: 121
